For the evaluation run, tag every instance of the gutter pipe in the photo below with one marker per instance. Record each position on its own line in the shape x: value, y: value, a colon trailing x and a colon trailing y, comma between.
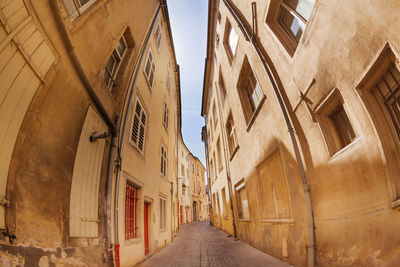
x: 306, y: 187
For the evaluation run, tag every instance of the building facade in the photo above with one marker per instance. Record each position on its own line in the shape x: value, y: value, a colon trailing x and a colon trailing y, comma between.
x: 90, y: 115
x: 302, y: 100
x: 198, y: 190
x: 184, y: 185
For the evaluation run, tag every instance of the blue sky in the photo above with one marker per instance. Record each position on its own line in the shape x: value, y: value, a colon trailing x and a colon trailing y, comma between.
x: 189, y: 29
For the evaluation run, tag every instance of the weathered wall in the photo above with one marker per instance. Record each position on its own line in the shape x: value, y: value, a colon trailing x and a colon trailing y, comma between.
x: 353, y: 191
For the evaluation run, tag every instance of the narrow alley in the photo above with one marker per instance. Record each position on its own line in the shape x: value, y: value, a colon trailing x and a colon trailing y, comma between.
x: 200, y: 244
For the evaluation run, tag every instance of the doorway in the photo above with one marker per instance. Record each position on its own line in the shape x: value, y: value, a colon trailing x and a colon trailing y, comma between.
x: 146, y: 227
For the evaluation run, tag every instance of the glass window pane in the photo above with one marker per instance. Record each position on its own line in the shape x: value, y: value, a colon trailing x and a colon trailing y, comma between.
x: 303, y: 7
x: 121, y: 47
x: 106, y: 78
x: 292, y: 25
x: 83, y: 2
x: 110, y: 64
x: 233, y: 40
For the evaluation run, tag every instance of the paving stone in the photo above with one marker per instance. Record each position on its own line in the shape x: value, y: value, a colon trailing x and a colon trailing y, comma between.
x: 201, y: 245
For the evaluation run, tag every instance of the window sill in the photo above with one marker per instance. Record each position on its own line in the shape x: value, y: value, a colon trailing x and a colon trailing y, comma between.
x: 396, y: 203
x: 234, y: 152
x: 133, y: 241
x: 253, y: 117
x: 244, y: 220
x: 278, y: 221
x: 141, y: 153
x: 340, y: 151
x: 85, y: 13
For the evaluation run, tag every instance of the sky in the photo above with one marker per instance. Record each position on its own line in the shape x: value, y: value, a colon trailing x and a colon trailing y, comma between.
x: 189, y: 30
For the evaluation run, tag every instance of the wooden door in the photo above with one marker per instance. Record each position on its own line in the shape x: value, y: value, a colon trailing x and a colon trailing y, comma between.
x: 146, y: 228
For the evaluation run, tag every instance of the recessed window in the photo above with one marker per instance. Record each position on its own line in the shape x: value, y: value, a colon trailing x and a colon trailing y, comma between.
x: 131, y: 214
x: 163, y: 161
x: 224, y: 204
x: 183, y: 170
x: 242, y: 202
x: 231, y: 133
x: 221, y: 85
x: 165, y: 115
x: 335, y: 124
x: 114, y: 63
x: 150, y: 69
x: 75, y: 8
x: 215, y: 115
x: 219, y: 17
x: 288, y: 19
x: 138, y: 132
x: 163, y: 213
x: 249, y: 91
x: 157, y: 36
x: 219, y: 155
x: 231, y: 39
x: 168, y: 83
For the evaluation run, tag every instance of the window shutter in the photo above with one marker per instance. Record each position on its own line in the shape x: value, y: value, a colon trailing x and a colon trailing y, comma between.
x: 83, y: 218
x: 139, y: 127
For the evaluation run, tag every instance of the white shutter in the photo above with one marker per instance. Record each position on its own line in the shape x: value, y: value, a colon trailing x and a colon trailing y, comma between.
x: 18, y: 80
x: 83, y: 219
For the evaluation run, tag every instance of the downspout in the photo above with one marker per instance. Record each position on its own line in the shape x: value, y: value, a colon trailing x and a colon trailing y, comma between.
x: 67, y: 43
x: 227, y: 167
x: 285, y: 111
x: 121, y: 140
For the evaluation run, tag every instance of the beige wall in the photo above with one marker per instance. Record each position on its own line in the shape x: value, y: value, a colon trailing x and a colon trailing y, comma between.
x: 354, y: 191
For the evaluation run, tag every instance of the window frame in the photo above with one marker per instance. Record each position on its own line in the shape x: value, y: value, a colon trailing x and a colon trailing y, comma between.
x: 114, y: 72
x: 238, y: 188
x: 157, y: 38
x: 226, y: 41
x: 231, y: 136
x: 78, y: 7
x: 273, y: 20
x: 152, y: 66
x: 165, y: 115
x: 163, y: 213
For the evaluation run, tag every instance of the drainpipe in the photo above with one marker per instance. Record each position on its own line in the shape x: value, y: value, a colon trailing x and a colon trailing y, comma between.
x: 123, y: 128
x: 67, y: 43
x: 242, y: 23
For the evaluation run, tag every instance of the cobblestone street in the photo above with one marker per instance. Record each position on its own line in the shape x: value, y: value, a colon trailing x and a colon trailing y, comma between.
x: 200, y: 244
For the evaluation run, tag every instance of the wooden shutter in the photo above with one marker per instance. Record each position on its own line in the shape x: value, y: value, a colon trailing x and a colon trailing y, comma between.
x: 25, y: 59
x: 138, y: 132
x: 83, y: 219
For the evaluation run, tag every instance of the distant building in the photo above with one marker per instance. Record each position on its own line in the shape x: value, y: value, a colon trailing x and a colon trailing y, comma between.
x: 198, y: 191
x: 301, y: 100
x: 184, y: 185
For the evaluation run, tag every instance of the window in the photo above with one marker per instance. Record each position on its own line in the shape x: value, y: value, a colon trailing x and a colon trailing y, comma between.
x: 168, y: 83
x: 387, y: 91
x: 215, y: 166
x: 183, y: 189
x: 157, y: 36
x: 163, y: 161
x: 335, y: 124
x: 224, y: 204
x: 165, y: 116
x: 131, y: 203
x: 183, y: 170
x: 288, y: 19
x: 219, y: 17
x: 211, y: 170
x: 150, y: 69
x: 75, y: 8
x: 221, y: 85
x: 242, y: 203
x: 231, y: 39
x: 250, y: 93
x: 114, y: 63
x: 231, y: 133
x: 219, y: 155
x: 163, y: 214
x: 215, y: 115
x: 380, y: 92
x: 138, y: 132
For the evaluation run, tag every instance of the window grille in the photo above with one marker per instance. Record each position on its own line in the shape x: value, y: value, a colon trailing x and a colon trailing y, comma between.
x: 139, y: 127
x: 387, y: 90
x: 131, y: 202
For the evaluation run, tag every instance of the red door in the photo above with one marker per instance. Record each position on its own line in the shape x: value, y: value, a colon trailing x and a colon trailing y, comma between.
x: 146, y: 228
x: 182, y: 215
